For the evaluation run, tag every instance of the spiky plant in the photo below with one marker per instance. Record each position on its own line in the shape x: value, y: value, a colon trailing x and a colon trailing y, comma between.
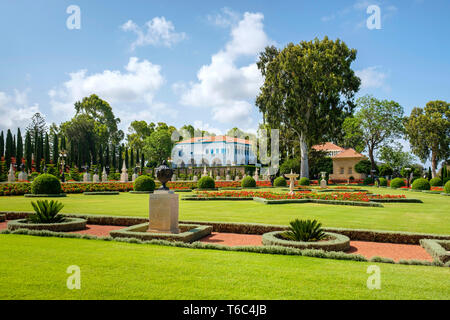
x: 304, y: 230
x: 46, y: 212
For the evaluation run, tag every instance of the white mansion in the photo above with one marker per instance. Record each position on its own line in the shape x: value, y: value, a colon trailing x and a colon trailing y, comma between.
x: 213, y: 151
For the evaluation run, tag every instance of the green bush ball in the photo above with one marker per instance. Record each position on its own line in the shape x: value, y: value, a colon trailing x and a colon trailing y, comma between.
x: 421, y: 184
x: 304, y: 181
x: 383, y: 182
x: 248, y: 182
x: 397, y: 183
x: 144, y: 183
x: 46, y: 184
x: 280, y: 182
x: 368, y: 180
x: 447, y: 187
x: 436, y: 182
x: 206, y: 183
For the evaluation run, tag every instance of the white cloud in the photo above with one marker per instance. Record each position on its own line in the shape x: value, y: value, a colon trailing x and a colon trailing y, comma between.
x: 156, y: 32
x: 135, y: 87
x: 225, y: 18
x: 224, y: 87
x: 198, y: 124
x: 372, y: 78
x: 15, y: 110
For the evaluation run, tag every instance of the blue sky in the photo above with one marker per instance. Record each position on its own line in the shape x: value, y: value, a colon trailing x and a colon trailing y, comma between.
x: 193, y: 62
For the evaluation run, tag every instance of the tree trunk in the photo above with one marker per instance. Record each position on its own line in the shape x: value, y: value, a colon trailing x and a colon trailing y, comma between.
x: 372, y: 160
x: 433, y: 164
x: 304, y: 167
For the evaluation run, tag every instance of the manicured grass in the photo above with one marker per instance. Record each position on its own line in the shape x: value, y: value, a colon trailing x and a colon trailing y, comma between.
x: 428, y: 217
x: 35, y: 268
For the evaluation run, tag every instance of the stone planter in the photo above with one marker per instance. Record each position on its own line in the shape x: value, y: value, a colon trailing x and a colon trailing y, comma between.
x: 69, y: 224
x: 338, y: 242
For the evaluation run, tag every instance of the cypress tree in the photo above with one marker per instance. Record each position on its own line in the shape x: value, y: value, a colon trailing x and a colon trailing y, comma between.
x: 107, y: 157
x: 47, y: 149
x: 429, y: 176
x: 120, y: 159
x: 113, y: 157
x: 131, y: 158
x: 28, y: 151
x: 9, y: 148
x: 127, y: 164
x: 13, y: 152
x: 19, y: 149
x: 142, y: 161
x: 55, y: 152
x: 38, y: 154
x: 100, y: 158
x: 2, y: 145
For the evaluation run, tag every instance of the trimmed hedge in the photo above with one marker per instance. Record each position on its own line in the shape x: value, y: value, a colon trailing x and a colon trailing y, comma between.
x: 206, y: 183
x: 279, y: 182
x: 304, y: 181
x: 436, y: 182
x: 447, y: 187
x: 338, y: 242
x: 101, y: 193
x: 438, y: 249
x: 144, y: 183
x: 59, y: 195
x: 68, y: 224
x: 368, y: 180
x: 2, y: 218
x: 383, y: 182
x: 421, y: 184
x: 46, y: 184
x: 321, y: 201
x: 397, y: 183
x: 248, y: 182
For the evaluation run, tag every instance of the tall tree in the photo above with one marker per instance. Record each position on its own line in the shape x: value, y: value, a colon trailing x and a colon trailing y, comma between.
x: 132, y: 158
x: 158, y: 146
x: 377, y: 123
x: 55, y: 149
x: 37, y: 126
x: 395, y: 157
x: 9, y: 148
x: 19, y: 148
x: 28, y: 151
x: 2, y: 145
x: 47, y: 149
x: 428, y: 132
x: 309, y: 88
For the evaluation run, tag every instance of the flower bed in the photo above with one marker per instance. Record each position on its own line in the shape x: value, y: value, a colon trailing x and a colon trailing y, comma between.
x: 336, y: 242
x: 9, y: 189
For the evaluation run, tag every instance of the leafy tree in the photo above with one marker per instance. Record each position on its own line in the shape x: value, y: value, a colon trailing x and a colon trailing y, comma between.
x: 9, y: 148
x: 28, y: 151
x: 364, y: 166
x: 288, y: 165
x: 36, y: 127
x: 158, y: 146
x: 309, y: 88
x: 19, y: 148
x: 395, y: 157
x: 353, y: 135
x: 2, y: 145
x: 385, y: 170
x: 47, y: 149
x: 428, y: 132
x: 138, y: 132
x: 319, y: 162
x: 376, y: 122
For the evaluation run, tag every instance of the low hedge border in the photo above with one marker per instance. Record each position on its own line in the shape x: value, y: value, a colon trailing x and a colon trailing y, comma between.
x: 2, y: 218
x: 140, y: 192
x: 400, y: 237
x: 193, y: 232
x: 338, y: 242
x: 195, y: 198
x: 69, y: 224
x: 437, y: 249
x: 397, y: 200
x: 341, y: 190
x: 212, y: 246
x: 102, y: 193
x: 30, y: 195
x: 321, y: 201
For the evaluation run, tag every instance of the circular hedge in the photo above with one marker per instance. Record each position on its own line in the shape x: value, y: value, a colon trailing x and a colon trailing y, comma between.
x: 206, y: 183
x: 144, y: 183
x: 397, y: 183
x: 421, y: 184
x: 248, y: 182
x: 68, y: 224
x: 337, y: 242
x: 383, y: 182
x: 280, y: 182
x: 368, y: 180
x: 447, y: 187
x: 46, y: 184
x: 436, y: 182
x: 304, y: 181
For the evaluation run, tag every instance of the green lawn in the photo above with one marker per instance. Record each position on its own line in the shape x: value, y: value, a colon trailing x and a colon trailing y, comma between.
x: 35, y: 268
x: 430, y: 217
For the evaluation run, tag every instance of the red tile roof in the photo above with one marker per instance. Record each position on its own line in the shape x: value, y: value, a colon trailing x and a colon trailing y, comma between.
x: 349, y: 153
x: 215, y: 139
x: 327, y: 146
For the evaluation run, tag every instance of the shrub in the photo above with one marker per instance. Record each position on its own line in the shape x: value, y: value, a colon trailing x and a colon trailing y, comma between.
x: 279, y: 182
x: 447, y: 187
x: 288, y: 165
x: 436, y: 182
x: 144, y: 183
x: 385, y: 170
x: 363, y: 166
x: 421, y: 184
x: 304, y: 181
x: 46, y: 184
x: 46, y: 212
x: 368, y: 180
x: 397, y: 183
x: 34, y: 175
x: 74, y: 174
x: 383, y: 182
x: 304, y: 230
x: 206, y: 183
x: 248, y: 182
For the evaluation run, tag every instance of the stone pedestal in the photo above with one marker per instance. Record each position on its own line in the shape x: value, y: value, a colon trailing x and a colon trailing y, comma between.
x: 174, y: 177
x: 163, y: 212
x: 194, y: 178
x: 323, y: 183
x: 134, y: 177
x: 95, y: 178
x: 237, y: 178
x: 124, y: 174
x: 86, y: 177
x: 22, y: 176
x: 228, y: 178
x: 11, y: 176
x: 217, y: 178
x: 104, y: 177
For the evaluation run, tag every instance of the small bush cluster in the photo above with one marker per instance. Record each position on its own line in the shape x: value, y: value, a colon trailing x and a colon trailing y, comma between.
x: 46, y: 212
x: 304, y: 181
x: 248, y: 182
x: 447, y: 187
x: 397, y: 183
x: 206, y: 183
x: 436, y: 182
x: 421, y: 184
x: 46, y: 184
x: 280, y: 182
x: 383, y: 182
x: 368, y: 180
x: 144, y: 183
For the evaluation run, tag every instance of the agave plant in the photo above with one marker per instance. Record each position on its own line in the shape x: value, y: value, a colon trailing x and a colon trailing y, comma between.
x: 46, y: 212
x: 304, y: 230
